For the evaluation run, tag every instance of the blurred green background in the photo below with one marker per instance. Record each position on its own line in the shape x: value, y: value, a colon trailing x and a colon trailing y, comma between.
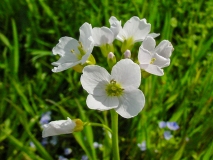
x: 29, y: 29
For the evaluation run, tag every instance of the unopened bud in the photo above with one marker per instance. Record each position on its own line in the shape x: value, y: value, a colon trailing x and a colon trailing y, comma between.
x: 111, y: 55
x: 111, y: 59
x: 127, y: 54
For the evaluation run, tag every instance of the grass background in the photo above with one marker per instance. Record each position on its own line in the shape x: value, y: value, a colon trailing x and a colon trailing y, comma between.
x: 31, y: 28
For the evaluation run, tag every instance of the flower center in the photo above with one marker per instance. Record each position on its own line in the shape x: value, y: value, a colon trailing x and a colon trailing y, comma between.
x: 114, y: 89
x: 152, y: 60
x: 81, y: 50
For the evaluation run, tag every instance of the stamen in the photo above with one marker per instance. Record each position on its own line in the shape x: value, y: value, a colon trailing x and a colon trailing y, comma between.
x: 152, y: 60
x: 114, y: 89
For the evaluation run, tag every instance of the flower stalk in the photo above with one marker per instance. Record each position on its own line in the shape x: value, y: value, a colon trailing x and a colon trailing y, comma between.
x: 98, y: 125
x: 115, y: 146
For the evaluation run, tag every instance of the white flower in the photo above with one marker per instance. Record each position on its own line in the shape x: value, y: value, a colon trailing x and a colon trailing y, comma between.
x: 153, y: 59
x: 135, y: 30
x: 62, y: 127
x: 104, y: 35
x: 73, y: 52
x: 117, y: 91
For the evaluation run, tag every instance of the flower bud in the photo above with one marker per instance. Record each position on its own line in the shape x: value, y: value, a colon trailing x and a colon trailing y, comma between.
x: 62, y: 127
x: 111, y: 59
x: 127, y: 54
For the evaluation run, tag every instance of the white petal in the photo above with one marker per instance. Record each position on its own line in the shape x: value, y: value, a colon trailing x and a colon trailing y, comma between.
x: 85, y: 33
x: 58, y: 127
x: 164, y: 49
x: 88, y: 52
x: 144, y: 56
x: 122, y: 35
x: 153, y: 69
x: 127, y: 73
x: 102, y: 36
x: 149, y: 43
x: 153, y: 35
x: 102, y: 102
x: 131, y: 103
x: 63, y: 66
x: 67, y: 58
x: 94, y: 79
x: 115, y: 25
x: 161, y: 61
x: 65, y: 45
x: 136, y: 29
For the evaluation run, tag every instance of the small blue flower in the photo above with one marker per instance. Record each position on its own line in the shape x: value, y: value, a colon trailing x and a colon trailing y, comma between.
x: 172, y: 126
x: 142, y: 146
x: 162, y: 124
x: 62, y: 158
x: 67, y: 151
x: 167, y: 135
x: 84, y: 157
x: 45, y: 118
x: 32, y: 144
x: 44, y: 141
x: 54, y: 140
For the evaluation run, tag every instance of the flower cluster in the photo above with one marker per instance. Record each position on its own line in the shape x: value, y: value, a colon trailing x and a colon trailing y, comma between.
x: 119, y: 89
x: 172, y: 126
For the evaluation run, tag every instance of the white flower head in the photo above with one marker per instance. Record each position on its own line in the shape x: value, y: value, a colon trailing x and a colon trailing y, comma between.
x: 73, y: 52
x: 117, y: 91
x: 135, y: 30
x: 152, y: 59
x: 105, y: 35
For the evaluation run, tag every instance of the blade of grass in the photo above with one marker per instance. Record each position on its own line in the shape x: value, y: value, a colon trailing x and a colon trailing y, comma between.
x: 15, y: 55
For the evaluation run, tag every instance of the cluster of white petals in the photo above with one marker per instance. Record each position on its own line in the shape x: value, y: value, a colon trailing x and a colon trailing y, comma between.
x: 127, y: 74
x: 58, y: 127
x: 119, y: 90
x: 152, y: 59
x: 70, y: 50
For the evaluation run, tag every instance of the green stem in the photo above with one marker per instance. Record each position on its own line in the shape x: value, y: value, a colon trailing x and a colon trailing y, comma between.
x: 115, y: 146
x: 97, y: 125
